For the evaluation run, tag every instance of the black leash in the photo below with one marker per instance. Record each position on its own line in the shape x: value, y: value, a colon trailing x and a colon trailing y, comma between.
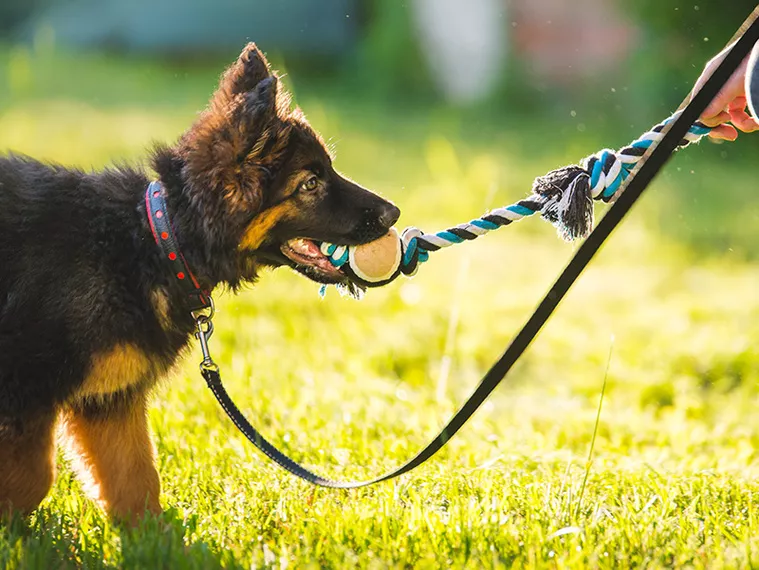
x: 637, y: 183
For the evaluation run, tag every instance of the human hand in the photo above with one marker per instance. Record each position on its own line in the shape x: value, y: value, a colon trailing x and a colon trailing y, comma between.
x: 727, y: 111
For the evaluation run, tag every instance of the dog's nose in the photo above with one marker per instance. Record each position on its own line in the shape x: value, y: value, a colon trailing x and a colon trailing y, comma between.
x: 388, y: 215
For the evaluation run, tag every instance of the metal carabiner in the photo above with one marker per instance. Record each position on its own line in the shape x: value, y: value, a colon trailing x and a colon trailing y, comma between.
x: 204, y: 331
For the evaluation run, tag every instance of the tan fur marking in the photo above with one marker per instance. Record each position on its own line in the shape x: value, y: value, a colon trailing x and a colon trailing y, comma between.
x: 160, y: 302
x: 27, y: 464
x: 113, y: 371
x: 115, y: 459
x: 263, y: 223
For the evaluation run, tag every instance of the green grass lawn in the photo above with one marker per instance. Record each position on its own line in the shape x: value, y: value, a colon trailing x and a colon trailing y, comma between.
x: 355, y: 388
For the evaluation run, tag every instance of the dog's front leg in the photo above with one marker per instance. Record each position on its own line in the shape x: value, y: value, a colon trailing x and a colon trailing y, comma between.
x: 114, y: 456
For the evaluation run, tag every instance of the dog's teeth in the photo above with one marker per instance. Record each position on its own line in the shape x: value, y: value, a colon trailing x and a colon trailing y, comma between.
x: 305, y: 247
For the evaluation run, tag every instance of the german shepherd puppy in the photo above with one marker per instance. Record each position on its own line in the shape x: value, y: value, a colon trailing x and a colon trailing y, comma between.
x: 90, y: 313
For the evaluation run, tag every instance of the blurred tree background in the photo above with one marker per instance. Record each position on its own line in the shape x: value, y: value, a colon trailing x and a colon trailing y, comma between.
x: 384, y: 47
x: 678, y: 35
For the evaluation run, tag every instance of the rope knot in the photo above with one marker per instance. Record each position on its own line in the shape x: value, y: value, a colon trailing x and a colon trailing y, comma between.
x: 568, y: 204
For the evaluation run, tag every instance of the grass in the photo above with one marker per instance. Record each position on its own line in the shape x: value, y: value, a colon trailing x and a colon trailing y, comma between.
x: 352, y: 389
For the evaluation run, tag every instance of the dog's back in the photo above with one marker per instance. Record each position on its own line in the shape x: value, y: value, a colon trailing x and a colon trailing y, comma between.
x: 70, y: 278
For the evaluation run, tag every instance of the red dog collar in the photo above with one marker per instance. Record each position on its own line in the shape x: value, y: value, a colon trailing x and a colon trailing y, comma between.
x: 155, y: 205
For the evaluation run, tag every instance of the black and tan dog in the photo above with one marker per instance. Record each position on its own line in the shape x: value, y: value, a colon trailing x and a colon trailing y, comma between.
x: 91, y: 314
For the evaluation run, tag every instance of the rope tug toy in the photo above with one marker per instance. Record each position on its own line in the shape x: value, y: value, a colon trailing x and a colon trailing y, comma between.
x: 564, y: 197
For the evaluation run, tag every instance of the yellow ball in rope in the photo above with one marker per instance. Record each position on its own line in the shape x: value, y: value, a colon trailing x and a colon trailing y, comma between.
x: 377, y: 260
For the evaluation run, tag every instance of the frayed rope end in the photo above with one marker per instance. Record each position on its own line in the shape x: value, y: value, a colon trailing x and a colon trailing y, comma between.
x: 568, y: 202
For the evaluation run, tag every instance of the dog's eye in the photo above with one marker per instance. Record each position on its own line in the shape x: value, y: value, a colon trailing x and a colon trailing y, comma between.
x: 310, y: 185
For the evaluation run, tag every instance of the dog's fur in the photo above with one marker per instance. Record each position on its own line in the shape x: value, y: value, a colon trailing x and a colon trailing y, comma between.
x: 90, y: 315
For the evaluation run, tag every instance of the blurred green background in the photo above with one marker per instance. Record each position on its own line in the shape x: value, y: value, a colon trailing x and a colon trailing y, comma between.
x: 561, y: 75
x: 448, y: 108
x: 529, y: 48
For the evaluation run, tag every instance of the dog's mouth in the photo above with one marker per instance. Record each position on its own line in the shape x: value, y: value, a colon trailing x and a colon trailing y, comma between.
x: 304, y: 255
x: 307, y: 258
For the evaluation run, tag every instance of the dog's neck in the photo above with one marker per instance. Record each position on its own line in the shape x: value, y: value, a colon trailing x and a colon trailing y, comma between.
x: 204, y: 231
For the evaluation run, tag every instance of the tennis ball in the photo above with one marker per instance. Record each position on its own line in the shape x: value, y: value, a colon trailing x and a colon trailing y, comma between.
x: 379, y: 260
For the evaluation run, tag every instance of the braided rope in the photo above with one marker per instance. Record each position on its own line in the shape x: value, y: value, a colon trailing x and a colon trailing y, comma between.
x: 564, y: 197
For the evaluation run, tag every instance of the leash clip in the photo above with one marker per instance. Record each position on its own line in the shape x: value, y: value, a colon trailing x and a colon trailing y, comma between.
x: 204, y: 326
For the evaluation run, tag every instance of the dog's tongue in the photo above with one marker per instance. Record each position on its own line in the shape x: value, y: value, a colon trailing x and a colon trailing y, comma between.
x: 305, y: 247
x: 306, y: 252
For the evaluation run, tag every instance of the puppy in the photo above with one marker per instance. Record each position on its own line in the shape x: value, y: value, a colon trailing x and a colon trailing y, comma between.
x: 93, y: 310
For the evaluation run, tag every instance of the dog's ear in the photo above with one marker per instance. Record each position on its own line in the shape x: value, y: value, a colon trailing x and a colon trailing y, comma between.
x: 233, y: 145
x: 259, y: 105
x: 250, y: 69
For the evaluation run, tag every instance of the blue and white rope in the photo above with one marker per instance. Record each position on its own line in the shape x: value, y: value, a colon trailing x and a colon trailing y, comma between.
x: 563, y: 196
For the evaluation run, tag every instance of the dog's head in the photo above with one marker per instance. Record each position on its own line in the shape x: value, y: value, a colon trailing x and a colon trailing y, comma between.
x: 264, y: 184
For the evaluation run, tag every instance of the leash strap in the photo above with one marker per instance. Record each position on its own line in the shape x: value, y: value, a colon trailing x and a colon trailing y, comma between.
x: 636, y: 184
